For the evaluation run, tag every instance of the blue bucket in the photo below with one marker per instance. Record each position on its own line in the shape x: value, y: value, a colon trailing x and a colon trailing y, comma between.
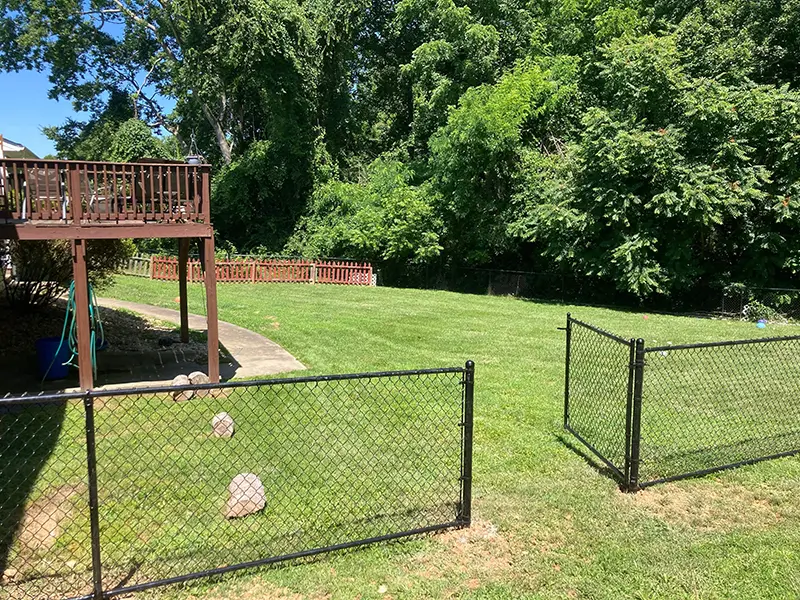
x: 46, y: 349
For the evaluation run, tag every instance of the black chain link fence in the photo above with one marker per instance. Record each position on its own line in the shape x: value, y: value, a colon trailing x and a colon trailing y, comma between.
x: 597, y: 382
x: 753, y: 304
x: 669, y: 412
x: 106, y: 493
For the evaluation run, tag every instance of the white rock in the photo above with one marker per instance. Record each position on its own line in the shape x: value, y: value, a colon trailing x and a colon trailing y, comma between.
x: 181, y: 380
x: 222, y: 425
x: 245, y: 496
x: 198, y: 377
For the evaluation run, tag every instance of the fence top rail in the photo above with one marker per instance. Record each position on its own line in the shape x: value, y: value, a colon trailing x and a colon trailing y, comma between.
x: 765, y: 340
x: 514, y: 272
x: 324, y: 262
x: 608, y: 334
x: 765, y: 289
x: 164, y: 389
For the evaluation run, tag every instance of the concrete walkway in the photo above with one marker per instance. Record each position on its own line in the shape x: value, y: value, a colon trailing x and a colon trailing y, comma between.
x: 253, y: 355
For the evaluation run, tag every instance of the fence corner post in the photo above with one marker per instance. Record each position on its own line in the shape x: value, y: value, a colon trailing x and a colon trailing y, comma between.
x: 94, y: 519
x: 465, y: 513
x: 568, y: 329
x: 636, y: 418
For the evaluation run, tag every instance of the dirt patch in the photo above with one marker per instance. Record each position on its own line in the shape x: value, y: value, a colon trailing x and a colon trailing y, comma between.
x: 709, y: 506
x: 256, y: 590
x: 470, y: 557
x: 480, y: 546
x: 43, y: 519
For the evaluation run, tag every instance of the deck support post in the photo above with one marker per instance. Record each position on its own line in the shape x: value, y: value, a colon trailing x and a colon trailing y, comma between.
x: 211, y: 309
x: 183, y: 260
x: 81, y: 277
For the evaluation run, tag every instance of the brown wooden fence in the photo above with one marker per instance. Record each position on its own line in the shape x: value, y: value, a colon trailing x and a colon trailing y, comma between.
x: 265, y: 271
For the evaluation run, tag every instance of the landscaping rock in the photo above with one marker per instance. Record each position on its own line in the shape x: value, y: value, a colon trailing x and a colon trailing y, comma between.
x: 222, y: 425
x: 245, y: 496
x: 183, y: 395
x: 199, y: 378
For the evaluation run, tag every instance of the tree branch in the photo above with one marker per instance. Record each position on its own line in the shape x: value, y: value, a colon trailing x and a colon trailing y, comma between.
x: 149, y: 26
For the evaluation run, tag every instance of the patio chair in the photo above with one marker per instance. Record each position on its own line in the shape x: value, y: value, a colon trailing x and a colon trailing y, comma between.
x: 45, y: 191
x: 168, y: 185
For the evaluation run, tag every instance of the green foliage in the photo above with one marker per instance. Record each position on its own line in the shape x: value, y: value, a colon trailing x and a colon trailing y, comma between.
x: 91, y: 140
x: 674, y: 181
x: 134, y: 140
x: 104, y: 258
x: 651, y: 145
x: 42, y: 270
x: 384, y: 217
x: 758, y: 311
x: 256, y: 199
x: 475, y: 157
x: 457, y: 52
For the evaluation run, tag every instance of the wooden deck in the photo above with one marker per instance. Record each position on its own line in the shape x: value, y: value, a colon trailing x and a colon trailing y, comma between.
x: 83, y: 201
x: 57, y: 199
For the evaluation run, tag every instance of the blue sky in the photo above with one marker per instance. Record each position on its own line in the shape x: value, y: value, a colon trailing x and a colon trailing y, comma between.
x: 25, y: 109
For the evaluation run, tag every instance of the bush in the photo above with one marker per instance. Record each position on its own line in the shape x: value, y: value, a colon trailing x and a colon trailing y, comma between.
x: 756, y: 311
x: 42, y: 270
x: 385, y: 217
x: 134, y: 140
x: 257, y: 199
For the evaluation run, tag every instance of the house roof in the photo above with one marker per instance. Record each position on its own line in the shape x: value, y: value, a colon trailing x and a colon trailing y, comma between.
x: 12, y: 149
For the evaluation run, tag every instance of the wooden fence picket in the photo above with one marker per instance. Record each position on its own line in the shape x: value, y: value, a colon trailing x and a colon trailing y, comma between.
x: 271, y: 270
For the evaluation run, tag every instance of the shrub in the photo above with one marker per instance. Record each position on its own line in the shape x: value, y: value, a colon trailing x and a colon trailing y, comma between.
x: 42, y: 270
x: 135, y: 140
x: 756, y: 311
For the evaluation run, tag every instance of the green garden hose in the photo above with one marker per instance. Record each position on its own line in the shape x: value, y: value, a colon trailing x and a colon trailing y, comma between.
x: 69, y: 332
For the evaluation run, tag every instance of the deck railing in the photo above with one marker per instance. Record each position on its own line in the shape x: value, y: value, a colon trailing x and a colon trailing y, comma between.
x: 85, y: 192
x: 267, y: 270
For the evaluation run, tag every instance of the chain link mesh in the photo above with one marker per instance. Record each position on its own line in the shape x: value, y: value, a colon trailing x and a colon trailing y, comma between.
x: 44, y: 524
x: 336, y: 461
x: 599, y: 372
x: 772, y: 304
x: 703, y: 406
x: 710, y: 406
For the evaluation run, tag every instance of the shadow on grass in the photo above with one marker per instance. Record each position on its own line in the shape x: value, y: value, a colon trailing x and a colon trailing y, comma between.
x: 590, y: 459
x: 28, y: 435
x: 282, y: 547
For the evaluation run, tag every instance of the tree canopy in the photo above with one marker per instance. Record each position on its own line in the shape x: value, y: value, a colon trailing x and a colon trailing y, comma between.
x: 651, y: 146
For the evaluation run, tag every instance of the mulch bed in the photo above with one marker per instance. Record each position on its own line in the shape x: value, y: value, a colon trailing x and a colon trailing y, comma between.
x: 125, y: 332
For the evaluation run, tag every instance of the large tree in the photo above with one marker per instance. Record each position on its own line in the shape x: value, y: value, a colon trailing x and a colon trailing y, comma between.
x: 235, y: 70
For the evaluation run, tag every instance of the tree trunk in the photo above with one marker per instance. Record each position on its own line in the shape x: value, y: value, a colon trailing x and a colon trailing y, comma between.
x: 219, y: 133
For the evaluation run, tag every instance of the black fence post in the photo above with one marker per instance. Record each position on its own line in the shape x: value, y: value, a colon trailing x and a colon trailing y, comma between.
x: 465, y: 514
x: 91, y: 463
x: 629, y: 411
x: 568, y: 329
x: 636, y: 417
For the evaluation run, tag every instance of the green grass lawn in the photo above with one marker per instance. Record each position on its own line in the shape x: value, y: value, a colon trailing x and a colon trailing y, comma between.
x: 547, y: 523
